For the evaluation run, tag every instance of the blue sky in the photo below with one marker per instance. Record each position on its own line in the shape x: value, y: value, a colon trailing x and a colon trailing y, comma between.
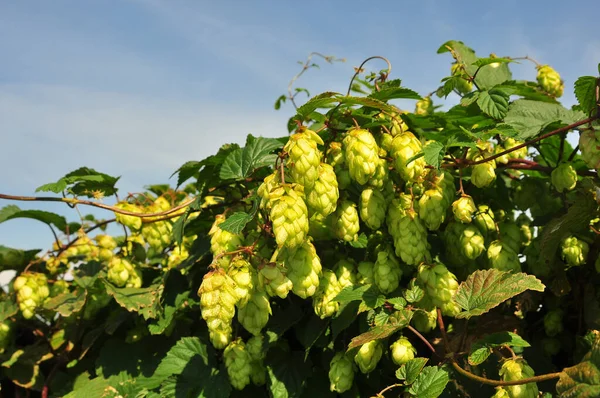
x: 136, y: 88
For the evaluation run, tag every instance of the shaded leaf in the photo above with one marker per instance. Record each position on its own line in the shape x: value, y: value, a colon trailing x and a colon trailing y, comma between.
x: 67, y: 303
x: 395, y: 93
x: 15, y: 258
x: 482, y: 349
x: 287, y: 373
x: 398, y: 320
x: 411, y: 370
x: 352, y: 293
x: 583, y: 379
x: 240, y: 163
x: 430, y: 383
x: 141, y: 300
x: 361, y: 242
x: 585, y: 91
x: 493, y: 103
x: 11, y: 212
x: 83, y: 182
x: 8, y: 308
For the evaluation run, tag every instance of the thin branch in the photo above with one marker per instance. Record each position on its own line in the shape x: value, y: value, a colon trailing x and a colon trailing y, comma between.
x: 572, y: 155
x: 306, y: 66
x: 55, y: 235
x: 380, y: 393
x: 359, y: 69
x: 422, y: 338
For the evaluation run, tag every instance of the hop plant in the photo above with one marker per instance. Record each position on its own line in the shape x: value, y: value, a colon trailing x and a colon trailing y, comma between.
x: 303, y: 269
x: 404, y: 147
x: 410, y: 239
x: 107, y: 245
x: 425, y: 320
x: 463, y: 84
x: 424, y: 107
x: 59, y: 287
x: 372, y: 207
x: 345, y: 271
x: 484, y: 220
x: 550, y: 80
x: 463, y: 209
x: 270, y: 183
x: 510, y: 234
x: 254, y: 346
x: 133, y: 222
x: 177, y: 256
x: 502, y: 257
x: 346, y: 223
x: 432, y: 208
x: 240, y: 271
x: 483, y: 174
x: 365, y: 273
x: 255, y: 314
x: 387, y: 271
x: 517, y: 369
x: 323, y: 300
x: 341, y: 373
x: 472, y: 243
x: 272, y: 277
x: 323, y: 196
x: 289, y: 216
x: 440, y: 286
x: 362, y: 154
x: 381, y: 177
x: 520, y: 153
x: 304, y: 157
x: 368, y: 356
x: 32, y: 291
x: 564, y: 177
x: 222, y: 241
x: 402, y: 351
x: 589, y: 144
x: 122, y: 273
x: 158, y: 235
x: 238, y: 364
x: 217, y: 304
x: 553, y: 324
x: 6, y: 329
x: 574, y: 251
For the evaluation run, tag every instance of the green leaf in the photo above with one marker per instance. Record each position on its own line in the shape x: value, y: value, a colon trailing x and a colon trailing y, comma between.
x: 344, y: 318
x: 11, y: 212
x: 395, y: 93
x: 398, y: 320
x: 23, y: 367
x: 398, y: 302
x: 583, y: 379
x: 361, y: 242
x: 414, y: 294
x: 141, y: 300
x: 430, y: 383
x: 433, y: 153
x: 470, y: 98
x: 529, y: 118
x: 86, y: 274
x: 526, y: 89
x: 236, y: 222
x: 67, y: 303
x: 493, y: 103
x: 585, y: 91
x: 282, y: 98
x: 352, y: 293
x: 482, y: 349
x: 14, y: 258
x: 175, y: 297
x: 287, y: 373
x: 8, y: 308
x: 491, y: 61
x: 83, y: 182
x: 411, y: 370
x: 486, y: 289
x: 240, y: 163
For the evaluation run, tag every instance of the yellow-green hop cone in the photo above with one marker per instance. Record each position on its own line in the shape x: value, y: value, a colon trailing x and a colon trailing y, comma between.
x: 323, y: 196
x: 237, y: 363
x: 345, y: 271
x: 362, y: 154
x: 501, y: 393
x: 517, y: 369
x: 255, y: 347
x: 255, y: 314
x: 387, y: 271
x: 32, y: 290
x: 432, y: 208
x: 550, y: 80
x: 217, y: 304
x: 510, y: 234
x: 520, y: 153
x: 240, y: 271
x: 463, y: 85
x: 177, y: 256
x: 424, y: 107
x: 574, y: 251
x: 269, y: 184
x: 551, y: 346
x: 410, y: 239
x: 323, y: 300
x: 589, y: 144
x: 402, y: 351
x: 381, y: 175
x: 440, y: 286
x: 157, y: 234
x: 425, y: 320
x: 335, y: 154
x: 289, y: 216
x: 564, y: 177
x: 341, y: 373
x: 463, y: 209
x: 553, y: 323
x: 345, y: 221
x: 372, y: 207
x: 59, y: 287
x: 472, y: 243
x: 132, y: 222
x: 404, y: 147
x: 258, y: 373
x: 6, y: 331
x: 273, y: 279
x: 122, y: 273
x: 501, y: 257
x: 365, y: 273
x: 303, y: 269
x: 484, y: 220
x: 445, y: 182
x: 222, y: 241
x: 483, y: 174
x: 369, y: 355
x: 304, y: 157
x: 319, y: 227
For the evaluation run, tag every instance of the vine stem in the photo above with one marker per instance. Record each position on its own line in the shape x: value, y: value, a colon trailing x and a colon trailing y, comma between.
x: 422, y: 338
x: 359, y: 69
x: 71, y: 201
x: 380, y: 393
x: 306, y: 66
x: 497, y: 383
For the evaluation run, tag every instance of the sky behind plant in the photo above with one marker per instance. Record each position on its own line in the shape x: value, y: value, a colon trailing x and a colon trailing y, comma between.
x: 136, y: 88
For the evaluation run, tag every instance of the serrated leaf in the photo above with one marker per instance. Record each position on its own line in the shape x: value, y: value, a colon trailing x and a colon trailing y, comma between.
x: 86, y: 274
x: 482, y: 349
x: 399, y: 320
x: 175, y: 296
x: 67, y: 303
x: 8, y: 308
x: 14, y: 258
x: 530, y: 117
x: 414, y: 294
x: 585, y: 91
x: 83, y: 182
x: 287, y: 373
x: 395, y: 93
x: 583, y: 379
x: 11, y: 212
x: 430, y: 383
x: 236, y: 222
x: 361, y: 242
x: 411, y: 370
x: 240, y: 163
x: 23, y: 368
x: 526, y: 89
x: 493, y: 103
x: 491, y: 61
x: 398, y: 302
x: 486, y: 289
x: 352, y: 293
x: 141, y: 300
x: 381, y: 319
x: 433, y: 153
x: 344, y: 318
x: 469, y: 98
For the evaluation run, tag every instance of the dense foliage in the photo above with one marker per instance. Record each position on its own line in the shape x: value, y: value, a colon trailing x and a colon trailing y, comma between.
x: 372, y: 252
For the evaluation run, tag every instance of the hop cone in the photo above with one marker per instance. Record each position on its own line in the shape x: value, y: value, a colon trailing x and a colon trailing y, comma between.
x: 323, y: 300
x: 463, y: 209
x: 472, y: 243
x: 372, y: 208
x: 405, y: 146
x: 525, y: 228
x: 319, y: 227
x: 589, y: 144
x: 484, y: 220
x: 273, y: 279
x: 510, y: 234
x: 107, y: 245
x: 510, y: 143
x: 424, y: 107
x: 368, y: 356
x: 432, y: 208
x: 425, y: 321
x: 362, y: 154
x: 217, y: 303
x: 255, y: 314
x: 323, y: 196
x: 381, y: 175
x: 336, y: 158
x: 303, y: 268
x: 574, y: 251
x: 402, y: 351
x: 463, y: 85
x: 32, y: 290
x: 550, y: 81
x: 268, y: 185
x: 502, y: 257
x: 553, y: 323
x: 345, y: 223
x: 289, y: 216
x: 564, y: 177
x: 341, y: 373
x: 158, y: 235
x: 483, y: 174
x: 440, y: 286
x: 517, y: 369
x: 345, y: 271
x: 132, y: 222
x: 240, y: 271
x: 237, y: 363
x: 551, y: 346
x: 59, y: 287
x: 365, y: 273
x: 387, y: 271
x: 445, y: 181
x: 6, y: 329
x: 304, y: 157
x: 501, y: 393
x: 254, y: 346
x: 177, y: 256
x: 410, y: 239
x: 222, y: 241
x: 122, y: 273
